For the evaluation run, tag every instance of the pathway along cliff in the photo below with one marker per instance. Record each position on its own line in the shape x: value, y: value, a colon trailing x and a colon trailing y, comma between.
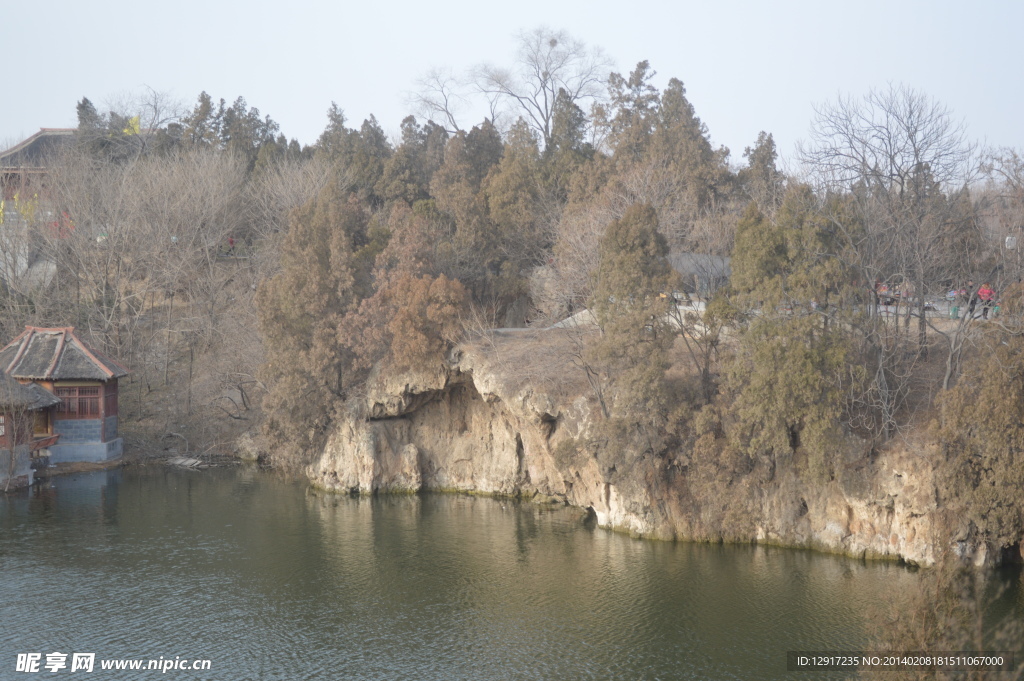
x: 508, y: 417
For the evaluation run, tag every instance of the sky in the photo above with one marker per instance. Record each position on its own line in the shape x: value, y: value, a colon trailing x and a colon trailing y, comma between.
x: 746, y: 66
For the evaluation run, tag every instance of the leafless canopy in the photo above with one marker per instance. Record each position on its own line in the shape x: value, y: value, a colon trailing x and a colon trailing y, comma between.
x: 547, y: 61
x: 903, y: 162
x: 901, y: 157
x: 440, y: 97
x: 154, y: 109
x: 1005, y: 168
x: 885, y: 139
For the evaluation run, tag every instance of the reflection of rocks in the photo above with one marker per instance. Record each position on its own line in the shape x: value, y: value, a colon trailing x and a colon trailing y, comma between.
x: 478, y: 426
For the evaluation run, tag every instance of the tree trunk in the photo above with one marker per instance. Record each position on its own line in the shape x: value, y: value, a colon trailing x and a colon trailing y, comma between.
x: 922, y: 325
x: 167, y: 350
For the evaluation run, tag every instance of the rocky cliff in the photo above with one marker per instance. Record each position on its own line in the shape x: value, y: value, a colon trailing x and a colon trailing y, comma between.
x: 498, y: 422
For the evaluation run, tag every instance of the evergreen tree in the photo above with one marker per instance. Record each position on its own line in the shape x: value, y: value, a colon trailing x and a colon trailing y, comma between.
x: 202, y: 127
x: 407, y: 173
x: 88, y: 118
x: 794, y: 370
x: 513, y: 190
x: 568, y: 150
x: 982, y: 439
x: 412, y: 322
x: 681, y: 148
x: 359, y: 155
x: 483, y: 150
x: 310, y: 361
x: 761, y: 179
x: 470, y: 252
x: 631, y: 301
x: 244, y: 132
x: 365, y: 158
x: 634, y: 105
x: 331, y: 142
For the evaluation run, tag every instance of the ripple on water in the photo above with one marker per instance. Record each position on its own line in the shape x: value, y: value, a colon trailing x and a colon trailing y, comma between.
x: 271, y: 582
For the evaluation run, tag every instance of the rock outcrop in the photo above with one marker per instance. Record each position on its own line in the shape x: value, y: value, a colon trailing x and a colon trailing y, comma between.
x: 479, y: 425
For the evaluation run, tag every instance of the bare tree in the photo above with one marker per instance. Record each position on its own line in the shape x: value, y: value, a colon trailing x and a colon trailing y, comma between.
x: 95, y: 246
x: 1001, y: 206
x: 137, y: 241
x: 902, y: 164
x: 154, y: 109
x: 132, y: 126
x: 272, y: 195
x: 885, y: 139
x: 546, y: 62
x: 24, y: 273
x: 189, y: 206
x: 17, y: 420
x: 900, y: 156
x: 1007, y: 167
x: 440, y: 96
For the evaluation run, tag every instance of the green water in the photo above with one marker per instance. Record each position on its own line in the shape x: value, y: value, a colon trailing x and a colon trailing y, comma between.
x: 270, y: 581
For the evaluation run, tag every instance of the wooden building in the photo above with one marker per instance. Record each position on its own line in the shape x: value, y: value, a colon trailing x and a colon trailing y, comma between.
x: 84, y: 418
x: 24, y: 167
x: 26, y: 207
x: 20, y: 407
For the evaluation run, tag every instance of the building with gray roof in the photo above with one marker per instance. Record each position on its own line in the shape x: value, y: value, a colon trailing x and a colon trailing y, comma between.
x: 80, y: 420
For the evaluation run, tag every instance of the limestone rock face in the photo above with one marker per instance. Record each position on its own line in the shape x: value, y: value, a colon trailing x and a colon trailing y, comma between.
x: 476, y: 426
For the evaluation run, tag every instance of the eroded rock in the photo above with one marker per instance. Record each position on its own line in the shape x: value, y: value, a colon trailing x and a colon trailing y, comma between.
x: 477, y: 426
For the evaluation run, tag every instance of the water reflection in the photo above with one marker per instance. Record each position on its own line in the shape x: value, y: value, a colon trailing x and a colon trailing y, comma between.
x: 271, y: 581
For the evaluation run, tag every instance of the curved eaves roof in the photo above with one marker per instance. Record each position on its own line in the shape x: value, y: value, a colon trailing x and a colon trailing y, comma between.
x: 54, y: 355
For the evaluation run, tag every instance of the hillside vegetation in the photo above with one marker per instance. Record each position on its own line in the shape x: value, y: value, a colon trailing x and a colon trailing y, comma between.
x: 255, y: 286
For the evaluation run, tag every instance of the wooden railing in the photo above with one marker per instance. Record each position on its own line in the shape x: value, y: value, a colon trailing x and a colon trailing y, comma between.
x: 44, y: 442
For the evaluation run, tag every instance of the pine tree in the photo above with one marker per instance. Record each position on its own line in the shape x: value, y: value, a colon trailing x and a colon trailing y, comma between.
x: 513, y: 193
x: 793, y: 371
x: 310, y: 362
x: 631, y: 301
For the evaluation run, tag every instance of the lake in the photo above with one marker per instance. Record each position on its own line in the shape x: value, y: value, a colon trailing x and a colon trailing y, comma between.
x: 269, y: 580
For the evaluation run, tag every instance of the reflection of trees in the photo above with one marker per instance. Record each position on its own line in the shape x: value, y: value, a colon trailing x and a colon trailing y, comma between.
x: 950, y: 609
x: 458, y: 583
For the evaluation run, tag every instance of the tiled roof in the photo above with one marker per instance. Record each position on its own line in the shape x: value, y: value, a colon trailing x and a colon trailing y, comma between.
x: 31, y: 396
x: 56, y: 354
x: 35, y: 152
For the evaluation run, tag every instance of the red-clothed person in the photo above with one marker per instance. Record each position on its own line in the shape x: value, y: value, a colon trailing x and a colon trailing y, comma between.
x: 986, y: 294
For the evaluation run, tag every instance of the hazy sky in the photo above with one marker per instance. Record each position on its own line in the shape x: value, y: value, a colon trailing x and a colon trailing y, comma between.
x: 747, y: 66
